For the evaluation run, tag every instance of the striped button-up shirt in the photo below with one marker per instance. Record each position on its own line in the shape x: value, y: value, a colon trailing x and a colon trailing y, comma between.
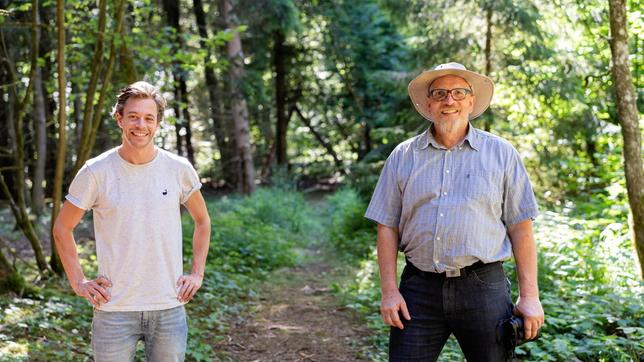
x: 452, y: 206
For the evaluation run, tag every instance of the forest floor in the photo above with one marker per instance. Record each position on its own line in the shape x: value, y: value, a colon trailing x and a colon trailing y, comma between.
x: 296, y: 317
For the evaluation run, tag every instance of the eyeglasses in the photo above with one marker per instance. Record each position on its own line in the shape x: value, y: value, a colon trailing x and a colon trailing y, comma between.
x: 458, y: 94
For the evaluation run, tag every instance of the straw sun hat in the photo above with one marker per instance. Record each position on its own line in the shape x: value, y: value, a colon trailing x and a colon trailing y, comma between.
x: 482, y: 87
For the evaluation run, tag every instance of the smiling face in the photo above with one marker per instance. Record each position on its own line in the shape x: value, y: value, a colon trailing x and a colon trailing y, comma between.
x: 450, y: 116
x: 138, y: 123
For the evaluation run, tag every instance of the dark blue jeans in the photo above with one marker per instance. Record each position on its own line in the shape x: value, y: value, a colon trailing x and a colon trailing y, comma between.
x: 469, y: 306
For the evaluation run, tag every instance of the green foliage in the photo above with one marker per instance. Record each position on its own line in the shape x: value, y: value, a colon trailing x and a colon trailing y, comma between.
x: 15, y: 282
x: 46, y: 329
x: 251, y: 236
x: 590, y: 291
x: 255, y: 235
x: 590, y: 288
x: 350, y: 233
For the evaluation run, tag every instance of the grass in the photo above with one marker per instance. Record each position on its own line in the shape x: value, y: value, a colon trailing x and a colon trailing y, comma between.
x: 251, y: 237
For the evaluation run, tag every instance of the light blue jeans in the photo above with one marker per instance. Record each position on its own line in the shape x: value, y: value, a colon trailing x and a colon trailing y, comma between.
x: 164, y: 332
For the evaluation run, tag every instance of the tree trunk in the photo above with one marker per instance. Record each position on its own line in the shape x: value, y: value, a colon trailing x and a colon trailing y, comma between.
x: 77, y: 116
x: 19, y: 212
x: 216, y: 107
x: 10, y: 277
x: 105, y: 80
x: 366, y: 141
x: 281, y: 128
x: 86, y: 132
x: 268, y: 158
x: 173, y: 14
x: 48, y: 71
x: 126, y: 57
x: 6, y: 269
x: 186, y: 116
x: 245, y: 168
x: 489, y: 119
x: 92, y: 115
x: 7, y: 161
x: 17, y: 204
x: 40, y: 127
x: 178, y: 123
x: 57, y: 191
x: 628, y: 119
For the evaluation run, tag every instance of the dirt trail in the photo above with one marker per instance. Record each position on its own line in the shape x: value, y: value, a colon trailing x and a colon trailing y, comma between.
x: 297, y: 318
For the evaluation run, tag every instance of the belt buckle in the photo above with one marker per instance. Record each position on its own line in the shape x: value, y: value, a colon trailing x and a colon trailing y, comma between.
x: 453, y: 273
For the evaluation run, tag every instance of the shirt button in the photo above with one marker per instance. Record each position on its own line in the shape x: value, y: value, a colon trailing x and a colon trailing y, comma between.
x: 438, y: 238
x: 447, y: 171
x: 441, y: 215
x: 444, y: 193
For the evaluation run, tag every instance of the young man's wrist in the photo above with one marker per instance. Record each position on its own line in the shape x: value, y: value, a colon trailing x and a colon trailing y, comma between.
x: 198, y: 273
x: 76, y: 283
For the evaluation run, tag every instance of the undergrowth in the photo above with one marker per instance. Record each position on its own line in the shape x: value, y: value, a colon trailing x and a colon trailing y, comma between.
x: 250, y: 237
x: 590, y: 290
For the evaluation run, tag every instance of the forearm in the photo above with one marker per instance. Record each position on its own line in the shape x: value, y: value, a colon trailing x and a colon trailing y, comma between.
x: 525, y: 255
x: 67, y: 251
x: 200, y: 246
x: 387, y: 257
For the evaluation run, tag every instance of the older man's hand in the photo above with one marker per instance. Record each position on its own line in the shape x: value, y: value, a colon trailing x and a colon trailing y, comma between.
x: 391, y: 305
x: 532, y: 312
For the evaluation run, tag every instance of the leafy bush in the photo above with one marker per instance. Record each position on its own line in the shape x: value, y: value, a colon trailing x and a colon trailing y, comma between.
x: 251, y: 236
x: 590, y: 290
x: 350, y: 233
x: 256, y: 234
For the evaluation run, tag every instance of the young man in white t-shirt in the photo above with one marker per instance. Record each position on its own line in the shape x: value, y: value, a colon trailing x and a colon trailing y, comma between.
x: 135, y: 192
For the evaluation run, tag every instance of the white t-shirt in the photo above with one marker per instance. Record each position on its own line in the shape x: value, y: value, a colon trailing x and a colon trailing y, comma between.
x: 137, y: 225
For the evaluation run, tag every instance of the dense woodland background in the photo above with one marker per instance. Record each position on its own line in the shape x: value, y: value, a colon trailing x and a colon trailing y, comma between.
x: 273, y: 98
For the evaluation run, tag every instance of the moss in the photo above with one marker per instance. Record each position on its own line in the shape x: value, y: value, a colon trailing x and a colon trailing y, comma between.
x: 15, y: 283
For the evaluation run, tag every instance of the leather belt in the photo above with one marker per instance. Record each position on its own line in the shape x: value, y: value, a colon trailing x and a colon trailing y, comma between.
x: 453, y: 272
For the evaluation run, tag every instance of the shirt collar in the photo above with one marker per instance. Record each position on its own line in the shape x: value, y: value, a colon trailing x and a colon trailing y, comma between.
x: 472, y: 138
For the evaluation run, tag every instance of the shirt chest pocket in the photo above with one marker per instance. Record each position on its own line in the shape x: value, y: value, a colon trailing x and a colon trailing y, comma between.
x: 483, y: 185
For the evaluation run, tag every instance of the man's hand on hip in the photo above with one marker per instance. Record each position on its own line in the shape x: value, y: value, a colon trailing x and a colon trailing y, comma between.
x: 532, y: 312
x: 391, y: 305
x: 188, y: 286
x: 95, y: 290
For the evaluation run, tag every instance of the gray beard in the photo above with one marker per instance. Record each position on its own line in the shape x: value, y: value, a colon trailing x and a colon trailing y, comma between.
x: 443, y: 127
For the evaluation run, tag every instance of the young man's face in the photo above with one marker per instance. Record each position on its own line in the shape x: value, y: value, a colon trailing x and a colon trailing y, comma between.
x: 138, y: 122
x: 449, y: 114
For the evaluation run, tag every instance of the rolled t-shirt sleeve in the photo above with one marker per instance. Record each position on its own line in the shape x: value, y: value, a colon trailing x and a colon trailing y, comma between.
x: 386, y: 202
x: 83, y: 190
x: 519, y: 203
x: 189, y: 181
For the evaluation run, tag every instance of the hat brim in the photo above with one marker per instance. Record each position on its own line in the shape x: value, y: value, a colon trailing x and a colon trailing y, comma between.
x: 482, y: 87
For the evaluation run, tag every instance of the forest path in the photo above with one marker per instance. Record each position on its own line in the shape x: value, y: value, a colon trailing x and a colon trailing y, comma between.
x: 297, y: 318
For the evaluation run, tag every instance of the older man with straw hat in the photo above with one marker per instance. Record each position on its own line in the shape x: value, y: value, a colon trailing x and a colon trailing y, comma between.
x: 457, y: 202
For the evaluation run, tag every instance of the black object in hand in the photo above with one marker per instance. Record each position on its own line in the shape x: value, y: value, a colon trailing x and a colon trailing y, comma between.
x: 509, y: 332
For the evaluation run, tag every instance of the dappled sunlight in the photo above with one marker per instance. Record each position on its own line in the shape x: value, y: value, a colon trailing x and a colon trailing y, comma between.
x: 589, y: 289
x: 12, y: 351
x: 288, y: 112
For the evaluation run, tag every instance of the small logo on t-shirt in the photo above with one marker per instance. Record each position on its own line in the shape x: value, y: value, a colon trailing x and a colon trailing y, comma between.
x: 165, y: 191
